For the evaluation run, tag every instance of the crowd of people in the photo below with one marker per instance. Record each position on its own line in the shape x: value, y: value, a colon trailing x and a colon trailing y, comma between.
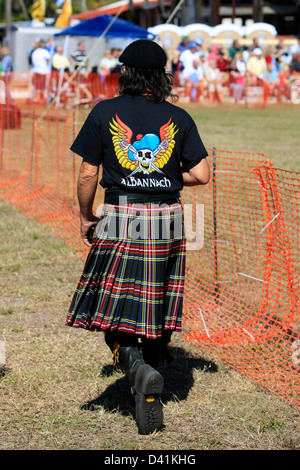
x: 201, y: 74
x: 46, y: 61
x: 207, y: 74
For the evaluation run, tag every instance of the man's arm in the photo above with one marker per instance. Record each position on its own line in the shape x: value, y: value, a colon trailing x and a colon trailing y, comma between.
x: 199, y: 174
x: 86, y: 190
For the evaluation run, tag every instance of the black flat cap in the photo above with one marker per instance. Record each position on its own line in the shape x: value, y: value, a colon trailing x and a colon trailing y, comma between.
x: 144, y: 53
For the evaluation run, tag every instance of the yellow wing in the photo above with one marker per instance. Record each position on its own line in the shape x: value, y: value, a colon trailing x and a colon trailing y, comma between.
x: 167, y: 133
x: 121, y: 137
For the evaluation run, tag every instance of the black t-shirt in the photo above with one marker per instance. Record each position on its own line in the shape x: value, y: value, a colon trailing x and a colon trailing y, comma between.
x: 142, y: 146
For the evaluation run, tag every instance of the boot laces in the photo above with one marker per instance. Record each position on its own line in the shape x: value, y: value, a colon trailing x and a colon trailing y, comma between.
x: 116, y: 355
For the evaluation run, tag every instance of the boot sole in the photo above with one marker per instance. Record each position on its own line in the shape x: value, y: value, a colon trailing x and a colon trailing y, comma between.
x: 148, y: 384
x: 149, y: 414
x: 148, y: 381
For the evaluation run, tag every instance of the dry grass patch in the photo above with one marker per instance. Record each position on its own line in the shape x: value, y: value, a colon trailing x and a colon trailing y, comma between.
x: 58, y: 390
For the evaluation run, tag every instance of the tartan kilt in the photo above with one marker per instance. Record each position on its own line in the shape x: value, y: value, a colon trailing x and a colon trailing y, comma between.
x: 133, y: 277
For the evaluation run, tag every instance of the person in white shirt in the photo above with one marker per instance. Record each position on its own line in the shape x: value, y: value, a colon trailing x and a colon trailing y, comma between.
x: 240, y: 63
x: 237, y: 76
x: 187, y: 57
x: 106, y: 64
x: 41, y: 61
x: 193, y: 76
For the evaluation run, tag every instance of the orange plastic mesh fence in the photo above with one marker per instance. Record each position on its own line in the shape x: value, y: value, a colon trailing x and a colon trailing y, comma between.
x: 242, y: 282
x: 78, y: 89
x: 242, y: 287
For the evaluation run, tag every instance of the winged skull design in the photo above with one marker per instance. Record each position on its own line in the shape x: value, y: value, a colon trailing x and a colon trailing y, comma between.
x: 148, y: 153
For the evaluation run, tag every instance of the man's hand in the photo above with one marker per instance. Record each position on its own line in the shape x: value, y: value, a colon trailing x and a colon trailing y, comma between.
x: 85, y: 226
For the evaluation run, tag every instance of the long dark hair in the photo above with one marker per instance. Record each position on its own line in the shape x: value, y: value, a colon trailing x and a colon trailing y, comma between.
x: 156, y: 84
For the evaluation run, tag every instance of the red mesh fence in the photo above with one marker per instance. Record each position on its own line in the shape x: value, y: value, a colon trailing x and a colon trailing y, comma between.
x: 242, y: 283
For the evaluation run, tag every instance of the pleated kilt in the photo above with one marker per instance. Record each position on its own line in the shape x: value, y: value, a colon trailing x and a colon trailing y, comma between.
x: 133, y: 278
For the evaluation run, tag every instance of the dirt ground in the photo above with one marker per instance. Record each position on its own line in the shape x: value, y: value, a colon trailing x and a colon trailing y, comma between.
x: 59, y: 391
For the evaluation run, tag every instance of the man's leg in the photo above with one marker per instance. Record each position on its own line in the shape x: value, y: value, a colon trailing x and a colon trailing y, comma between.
x: 146, y: 382
x: 156, y: 351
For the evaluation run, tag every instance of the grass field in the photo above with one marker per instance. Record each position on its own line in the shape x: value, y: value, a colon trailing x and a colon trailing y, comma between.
x: 273, y: 131
x: 58, y: 390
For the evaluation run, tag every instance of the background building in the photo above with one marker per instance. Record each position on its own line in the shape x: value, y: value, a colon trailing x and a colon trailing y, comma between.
x: 284, y: 15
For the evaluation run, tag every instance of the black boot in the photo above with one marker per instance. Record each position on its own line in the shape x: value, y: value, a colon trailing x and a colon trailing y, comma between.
x: 146, y: 386
x: 146, y: 383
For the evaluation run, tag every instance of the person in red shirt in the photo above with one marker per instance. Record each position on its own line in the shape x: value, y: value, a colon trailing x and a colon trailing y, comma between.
x: 222, y: 62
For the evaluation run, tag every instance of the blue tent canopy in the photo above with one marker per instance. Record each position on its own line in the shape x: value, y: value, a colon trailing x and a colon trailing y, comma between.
x: 96, y: 26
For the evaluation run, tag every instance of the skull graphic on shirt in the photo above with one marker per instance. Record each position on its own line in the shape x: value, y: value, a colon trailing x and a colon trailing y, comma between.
x: 148, y: 153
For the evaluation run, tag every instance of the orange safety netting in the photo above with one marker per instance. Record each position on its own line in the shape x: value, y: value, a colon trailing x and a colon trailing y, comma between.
x: 70, y: 90
x: 242, y: 281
